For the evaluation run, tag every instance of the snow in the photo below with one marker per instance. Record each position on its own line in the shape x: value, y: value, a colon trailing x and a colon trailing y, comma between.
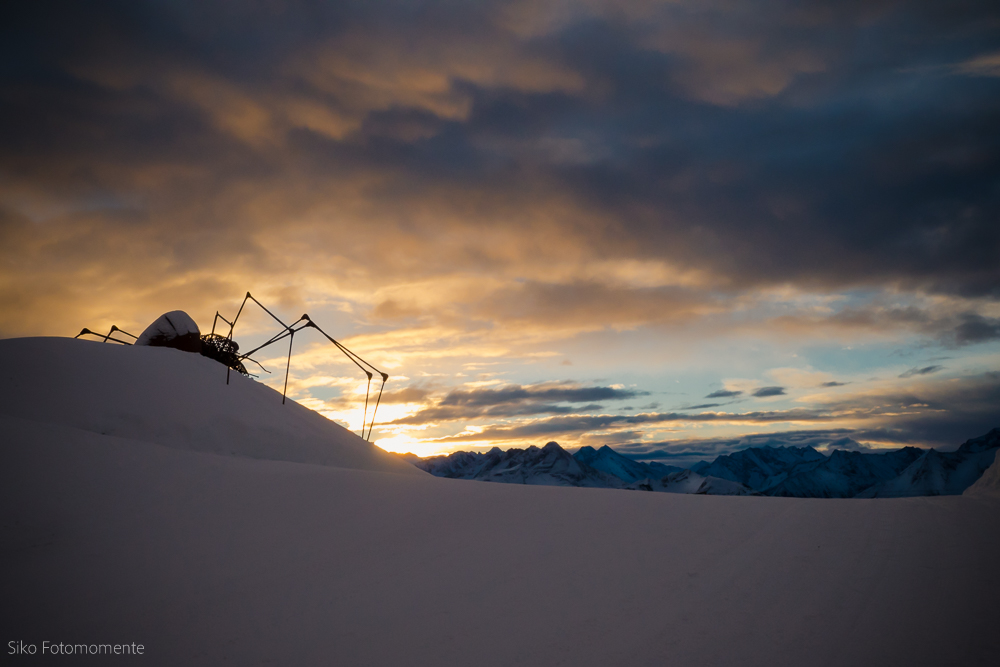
x: 608, y: 460
x: 169, y: 327
x: 760, y: 467
x: 844, y: 474
x: 935, y: 474
x: 120, y: 526
x: 688, y: 481
x: 172, y: 398
x: 989, y: 483
x: 550, y: 465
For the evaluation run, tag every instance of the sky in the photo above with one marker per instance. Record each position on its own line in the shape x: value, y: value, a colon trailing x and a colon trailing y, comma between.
x: 677, y: 228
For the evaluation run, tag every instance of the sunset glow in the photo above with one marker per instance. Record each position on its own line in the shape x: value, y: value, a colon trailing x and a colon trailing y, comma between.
x: 659, y: 226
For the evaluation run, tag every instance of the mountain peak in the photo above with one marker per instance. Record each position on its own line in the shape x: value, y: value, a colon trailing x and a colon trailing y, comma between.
x: 982, y: 443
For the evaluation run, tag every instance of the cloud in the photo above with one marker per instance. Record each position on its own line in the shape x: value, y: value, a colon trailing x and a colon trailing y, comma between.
x: 926, y: 370
x: 694, y: 449
x: 834, y: 383
x: 769, y: 391
x: 575, y: 424
x: 987, y: 64
x: 848, y: 444
x: 724, y: 393
x: 564, y: 392
x: 516, y: 400
x: 975, y: 328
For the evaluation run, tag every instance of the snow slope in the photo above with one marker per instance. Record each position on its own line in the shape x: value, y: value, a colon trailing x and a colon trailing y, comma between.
x: 172, y: 398
x: 989, y: 483
x: 209, y: 558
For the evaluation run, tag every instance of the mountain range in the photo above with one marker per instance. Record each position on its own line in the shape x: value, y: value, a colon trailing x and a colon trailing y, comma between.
x: 800, y: 472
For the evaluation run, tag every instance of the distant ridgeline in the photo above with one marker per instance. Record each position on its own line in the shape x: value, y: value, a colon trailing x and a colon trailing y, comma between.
x: 799, y: 472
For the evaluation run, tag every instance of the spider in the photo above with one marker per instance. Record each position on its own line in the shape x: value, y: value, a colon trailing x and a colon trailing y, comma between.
x: 177, y: 329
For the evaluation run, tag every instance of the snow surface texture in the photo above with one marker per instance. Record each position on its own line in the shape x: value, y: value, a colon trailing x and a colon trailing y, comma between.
x: 172, y: 398
x: 211, y: 559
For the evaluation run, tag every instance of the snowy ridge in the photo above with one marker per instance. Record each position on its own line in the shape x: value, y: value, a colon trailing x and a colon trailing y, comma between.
x: 608, y: 460
x: 799, y: 472
x: 688, y: 481
x: 550, y: 466
x: 935, y: 474
x: 172, y: 398
x: 843, y: 474
x: 989, y: 483
x: 760, y: 468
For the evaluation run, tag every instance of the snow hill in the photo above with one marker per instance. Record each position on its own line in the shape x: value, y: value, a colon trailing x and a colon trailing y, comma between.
x: 118, y: 527
x: 172, y: 398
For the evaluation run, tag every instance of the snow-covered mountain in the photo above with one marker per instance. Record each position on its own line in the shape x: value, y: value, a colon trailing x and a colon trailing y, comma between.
x: 989, y: 484
x: 553, y: 466
x: 799, y: 472
x: 688, y: 481
x: 622, y: 467
x: 760, y: 468
x: 550, y: 465
x: 936, y: 474
x: 843, y: 474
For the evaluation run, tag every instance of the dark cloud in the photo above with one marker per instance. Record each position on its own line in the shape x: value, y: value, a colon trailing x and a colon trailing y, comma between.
x: 498, y: 169
x: 832, y: 147
x: 976, y: 329
x: 574, y: 424
x: 833, y: 383
x: 926, y: 370
x: 568, y: 393
x: 709, y: 448
x: 517, y: 400
x: 724, y: 393
x: 941, y: 415
x: 848, y: 444
x: 411, y: 394
x: 769, y: 391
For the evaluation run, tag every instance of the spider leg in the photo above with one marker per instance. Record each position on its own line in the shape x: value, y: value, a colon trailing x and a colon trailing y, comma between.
x: 289, y: 331
x: 106, y: 337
